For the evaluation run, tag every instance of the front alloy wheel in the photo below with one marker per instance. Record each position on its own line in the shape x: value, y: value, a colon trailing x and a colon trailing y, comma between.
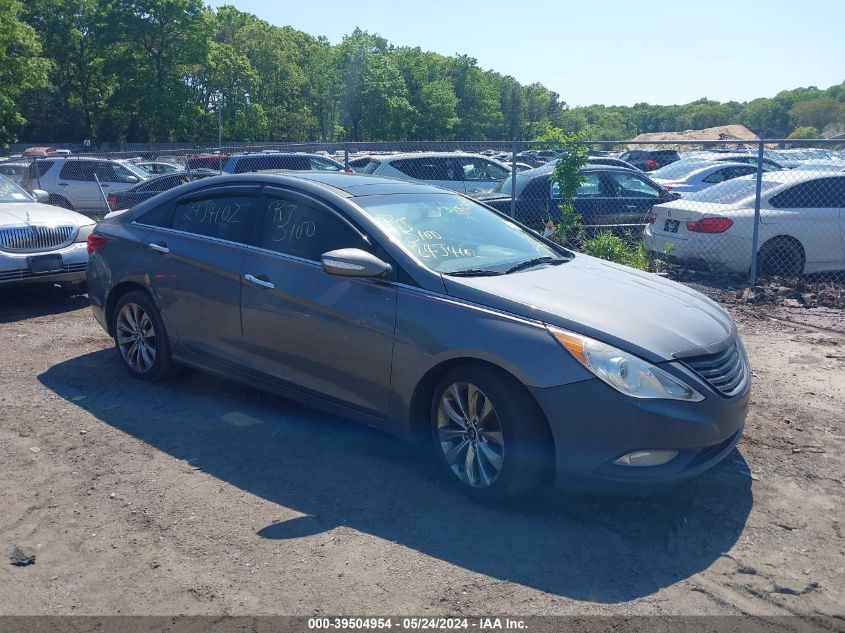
x: 136, y: 337
x: 470, y: 435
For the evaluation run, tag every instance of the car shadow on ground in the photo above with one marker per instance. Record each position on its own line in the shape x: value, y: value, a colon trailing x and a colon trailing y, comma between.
x: 26, y: 301
x: 603, y: 549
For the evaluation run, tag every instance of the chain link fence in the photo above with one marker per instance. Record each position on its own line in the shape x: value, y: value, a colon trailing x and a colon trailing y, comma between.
x: 742, y: 212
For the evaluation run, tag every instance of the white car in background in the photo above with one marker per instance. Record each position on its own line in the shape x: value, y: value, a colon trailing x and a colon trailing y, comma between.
x: 802, y: 225
x: 465, y: 173
x: 81, y: 183
x: 696, y: 176
x: 40, y: 243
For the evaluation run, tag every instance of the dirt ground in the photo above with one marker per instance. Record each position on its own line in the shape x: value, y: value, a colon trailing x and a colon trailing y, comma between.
x: 199, y: 496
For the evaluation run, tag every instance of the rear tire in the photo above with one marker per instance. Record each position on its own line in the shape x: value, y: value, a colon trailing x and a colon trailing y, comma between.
x: 781, y: 257
x: 489, y: 434
x: 140, y: 337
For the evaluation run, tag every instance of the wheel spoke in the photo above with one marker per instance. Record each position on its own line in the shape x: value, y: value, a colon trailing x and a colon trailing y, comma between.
x: 448, y: 434
x: 473, y: 394
x: 483, y: 466
x: 469, y: 466
x: 124, y: 340
x: 452, y: 454
x: 146, y: 357
x: 449, y: 410
x: 490, y: 456
x: 457, y: 397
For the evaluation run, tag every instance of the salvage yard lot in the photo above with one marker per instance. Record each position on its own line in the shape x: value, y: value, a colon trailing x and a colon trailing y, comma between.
x: 200, y: 496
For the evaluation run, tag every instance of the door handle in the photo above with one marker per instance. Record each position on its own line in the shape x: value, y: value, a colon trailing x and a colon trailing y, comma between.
x: 630, y: 206
x: 161, y: 247
x: 264, y: 283
x: 62, y: 184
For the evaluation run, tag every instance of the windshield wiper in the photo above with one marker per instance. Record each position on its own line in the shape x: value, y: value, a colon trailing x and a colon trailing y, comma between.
x: 534, y: 262
x: 474, y: 272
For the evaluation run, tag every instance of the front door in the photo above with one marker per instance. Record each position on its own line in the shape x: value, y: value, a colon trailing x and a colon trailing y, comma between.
x: 634, y: 197
x: 328, y: 335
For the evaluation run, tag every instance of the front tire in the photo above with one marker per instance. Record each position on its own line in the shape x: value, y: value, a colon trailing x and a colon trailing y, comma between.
x: 140, y: 337
x: 489, y: 433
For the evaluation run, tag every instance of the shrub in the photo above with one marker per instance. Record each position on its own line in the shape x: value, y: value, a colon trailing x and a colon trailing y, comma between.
x: 613, y: 248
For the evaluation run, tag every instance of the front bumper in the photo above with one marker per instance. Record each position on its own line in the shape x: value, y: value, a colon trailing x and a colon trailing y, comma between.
x: 14, y: 267
x: 593, y: 425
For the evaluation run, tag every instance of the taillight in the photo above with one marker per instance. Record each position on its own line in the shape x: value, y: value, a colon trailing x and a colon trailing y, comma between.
x: 650, y: 164
x: 112, y: 200
x: 710, y: 225
x: 95, y: 242
x: 668, y: 188
x: 650, y: 218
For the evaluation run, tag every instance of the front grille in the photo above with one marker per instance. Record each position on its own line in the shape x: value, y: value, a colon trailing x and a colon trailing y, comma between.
x: 726, y: 371
x: 35, y: 237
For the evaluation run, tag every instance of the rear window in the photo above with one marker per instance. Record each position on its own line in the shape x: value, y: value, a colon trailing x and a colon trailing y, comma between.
x: 732, y: 191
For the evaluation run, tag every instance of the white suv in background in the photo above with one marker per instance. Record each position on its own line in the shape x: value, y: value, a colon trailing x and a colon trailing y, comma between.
x: 72, y: 182
x: 464, y: 173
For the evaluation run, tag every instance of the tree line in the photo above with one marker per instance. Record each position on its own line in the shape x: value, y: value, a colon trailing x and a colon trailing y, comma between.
x: 173, y: 70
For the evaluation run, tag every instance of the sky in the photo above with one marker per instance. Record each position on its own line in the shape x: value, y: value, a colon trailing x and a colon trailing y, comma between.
x: 605, y: 51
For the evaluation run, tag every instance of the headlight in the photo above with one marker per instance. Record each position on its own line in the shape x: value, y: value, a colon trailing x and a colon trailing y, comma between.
x: 84, y: 232
x: 623, y: 371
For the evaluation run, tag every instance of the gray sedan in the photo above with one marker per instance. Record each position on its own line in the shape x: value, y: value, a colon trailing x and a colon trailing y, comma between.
x: 426, y: 314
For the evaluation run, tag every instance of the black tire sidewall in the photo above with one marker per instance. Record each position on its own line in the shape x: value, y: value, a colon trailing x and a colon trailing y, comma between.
x: 162, y: 366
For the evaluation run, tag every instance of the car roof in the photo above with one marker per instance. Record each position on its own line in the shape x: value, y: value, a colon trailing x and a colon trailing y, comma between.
x: 271, y: 154
x: 390, y: 157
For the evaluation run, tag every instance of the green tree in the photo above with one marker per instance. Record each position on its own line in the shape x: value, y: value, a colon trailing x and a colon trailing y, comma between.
x: 385, y: 109
x: 805, y: 131
x: 156, y: 45
x: 21, y: 67
x: 817, y: 113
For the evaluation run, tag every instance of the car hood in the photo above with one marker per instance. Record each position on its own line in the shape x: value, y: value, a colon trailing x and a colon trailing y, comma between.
x: 18, y: 213
x: 636, y: 311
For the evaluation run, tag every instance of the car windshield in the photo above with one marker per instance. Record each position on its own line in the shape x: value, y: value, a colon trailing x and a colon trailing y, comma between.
x: 450, y: 234
x: 10, y: 192
x: 732, y: 191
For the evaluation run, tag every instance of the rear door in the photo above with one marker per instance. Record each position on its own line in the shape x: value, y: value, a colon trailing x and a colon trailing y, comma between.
x: 812, y: 212
x: 196, y: 250
x: 326, y: 335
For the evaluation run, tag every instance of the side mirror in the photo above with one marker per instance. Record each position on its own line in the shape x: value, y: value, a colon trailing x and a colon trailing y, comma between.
x: 132, y: 179
x: 41, y: 196
x: 353, y: 262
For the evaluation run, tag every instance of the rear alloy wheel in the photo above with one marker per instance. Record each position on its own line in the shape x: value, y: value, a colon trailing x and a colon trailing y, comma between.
x: 140, y: 337
x: 489, y: 433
